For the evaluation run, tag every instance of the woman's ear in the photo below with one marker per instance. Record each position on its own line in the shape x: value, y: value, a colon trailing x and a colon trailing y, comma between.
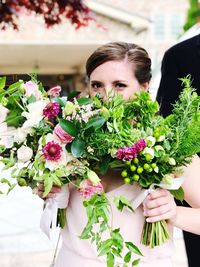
x: 145, y: 86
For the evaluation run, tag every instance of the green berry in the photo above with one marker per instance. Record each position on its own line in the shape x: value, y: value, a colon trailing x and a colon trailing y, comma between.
x: 135, y: 160
x: 127, y: 180
x: 153, y: 165
x: 150, y: 170
x: 146, y: 166
x: 133, y: 168
x: 124, y: 173
x: 148, y: 157
x: 136, y: 177
x: 140, y: 170
x: 128, y: 163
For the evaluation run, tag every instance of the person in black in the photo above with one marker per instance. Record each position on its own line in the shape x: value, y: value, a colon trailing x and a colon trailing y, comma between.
x: 179, y: 61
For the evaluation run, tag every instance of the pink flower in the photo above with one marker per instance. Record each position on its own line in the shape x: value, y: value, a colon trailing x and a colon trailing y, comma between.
x: 51, y: 110
x: 140, y: 145
x: 31, y: 88
x: 88, y: 189
x: 126, y: 153
x: 52, y: 151
x: 64, y: 137
x: 54, y: 91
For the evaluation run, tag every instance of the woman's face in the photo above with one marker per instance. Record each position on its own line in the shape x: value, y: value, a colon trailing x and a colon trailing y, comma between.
x: 117, y: 76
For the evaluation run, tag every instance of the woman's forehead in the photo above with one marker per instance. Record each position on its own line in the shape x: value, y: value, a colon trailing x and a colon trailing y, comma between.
x: 114, y: 69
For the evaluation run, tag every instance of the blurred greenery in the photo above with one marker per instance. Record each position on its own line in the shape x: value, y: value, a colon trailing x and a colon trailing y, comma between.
x: 193, y: 14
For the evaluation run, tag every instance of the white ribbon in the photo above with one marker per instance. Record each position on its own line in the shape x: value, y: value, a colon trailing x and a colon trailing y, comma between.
x: 176, y: 184
x: 49, y: 215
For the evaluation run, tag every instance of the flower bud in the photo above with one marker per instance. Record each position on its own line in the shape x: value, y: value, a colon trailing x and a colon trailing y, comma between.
x: 150, y: 141
x: 148, y: 151
x: 172, y: 161
x: 24, y: 154
x: 167, y: 179
x: 93, y: 177
x: 161, y: 138
x: 69, y: 108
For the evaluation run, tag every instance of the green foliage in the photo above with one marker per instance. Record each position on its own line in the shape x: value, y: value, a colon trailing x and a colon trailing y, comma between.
x: 193, y: 14
x: 178, y: 194
x: 122, y: 202
x: 185, y: 123
x: 69, y: 127
x: 97, y: 209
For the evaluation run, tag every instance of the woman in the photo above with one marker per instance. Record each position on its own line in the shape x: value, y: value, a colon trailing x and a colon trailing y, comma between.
x: 126, y: 69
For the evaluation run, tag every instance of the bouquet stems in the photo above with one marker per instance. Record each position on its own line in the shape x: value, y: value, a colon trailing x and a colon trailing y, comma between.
x: 155, y: 234
x: 61, y: 218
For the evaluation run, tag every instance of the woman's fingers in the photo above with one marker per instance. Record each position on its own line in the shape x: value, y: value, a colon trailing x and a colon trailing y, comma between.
x: 40, y: 191
x: 159, y: 205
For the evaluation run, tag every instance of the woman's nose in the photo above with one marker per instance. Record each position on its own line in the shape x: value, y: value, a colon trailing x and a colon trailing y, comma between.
x: 108, y: 91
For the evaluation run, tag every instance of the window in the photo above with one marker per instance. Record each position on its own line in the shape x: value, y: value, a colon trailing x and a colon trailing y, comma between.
x: 159, y: 27
x: 175, y: 26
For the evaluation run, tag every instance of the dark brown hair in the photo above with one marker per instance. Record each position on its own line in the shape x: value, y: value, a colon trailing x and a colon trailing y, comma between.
x: 117, y: 51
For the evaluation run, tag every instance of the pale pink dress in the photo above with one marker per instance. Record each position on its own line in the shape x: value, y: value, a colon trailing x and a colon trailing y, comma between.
x: 76, y: 252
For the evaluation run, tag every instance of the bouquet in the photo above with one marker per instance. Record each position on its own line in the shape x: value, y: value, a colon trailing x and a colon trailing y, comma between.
x: 61, y: 140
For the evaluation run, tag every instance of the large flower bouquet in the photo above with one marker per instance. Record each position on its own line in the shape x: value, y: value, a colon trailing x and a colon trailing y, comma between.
x: 60, y: 140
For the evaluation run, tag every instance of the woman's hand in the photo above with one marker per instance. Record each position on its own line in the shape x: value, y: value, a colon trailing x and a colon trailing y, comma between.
x: 40, y: 191
x: 160, y: 205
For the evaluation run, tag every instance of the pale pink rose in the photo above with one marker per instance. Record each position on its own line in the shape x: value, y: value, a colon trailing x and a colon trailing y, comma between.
x: 88, y: 189
x: 64, y: 137
x: 54, y: 91
x: 31, y: 88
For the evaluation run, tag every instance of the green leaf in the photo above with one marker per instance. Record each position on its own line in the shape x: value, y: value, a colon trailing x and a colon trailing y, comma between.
x: 60, y: 101
x: 73, y: 94
x: 127, y: 257
x: 178, y: 194
x: 77, y: 148
x: 95, y: 122
x: 2, y: 82
x: 105, y: 247
x: 48, y: 183
x: 133, y: 248
x: 110, y: 260
x: 11, y: 188
x: 122, y: 202
x: 84, y: 101
x: 69, y: 127
x: 135, y: 262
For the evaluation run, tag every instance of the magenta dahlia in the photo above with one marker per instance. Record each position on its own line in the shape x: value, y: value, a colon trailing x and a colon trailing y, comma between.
x: 52, y: 151
x: 139, y: 145
x: 51, y: 110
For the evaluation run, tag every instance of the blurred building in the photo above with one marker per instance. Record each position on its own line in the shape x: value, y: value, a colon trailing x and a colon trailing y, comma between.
x: 58, y: 55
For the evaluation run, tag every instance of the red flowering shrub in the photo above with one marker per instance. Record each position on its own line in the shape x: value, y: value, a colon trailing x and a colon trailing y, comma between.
x: 52, y: 11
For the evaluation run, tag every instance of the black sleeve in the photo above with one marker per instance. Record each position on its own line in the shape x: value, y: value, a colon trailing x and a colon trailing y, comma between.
x: 170, y: 85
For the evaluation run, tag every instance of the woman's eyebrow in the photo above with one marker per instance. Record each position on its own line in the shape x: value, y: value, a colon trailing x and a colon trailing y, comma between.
x: 119, y: 81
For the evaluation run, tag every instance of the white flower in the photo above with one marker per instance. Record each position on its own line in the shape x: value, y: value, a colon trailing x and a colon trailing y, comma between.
x: 20, y: 136
x: 3, y: 113
x: 34, y: 114
x: 150, y: 140
x: 158, y: 148
x: 24, y: 154
x: 172, y: 161
x: 167, y: 179
x: 63, y: 161
x: 161, y: 138
x: 148, y: 151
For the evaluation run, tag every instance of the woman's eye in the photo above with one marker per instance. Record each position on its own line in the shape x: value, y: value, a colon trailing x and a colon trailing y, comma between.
x: 120, y: 86
x: 96, y: 86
